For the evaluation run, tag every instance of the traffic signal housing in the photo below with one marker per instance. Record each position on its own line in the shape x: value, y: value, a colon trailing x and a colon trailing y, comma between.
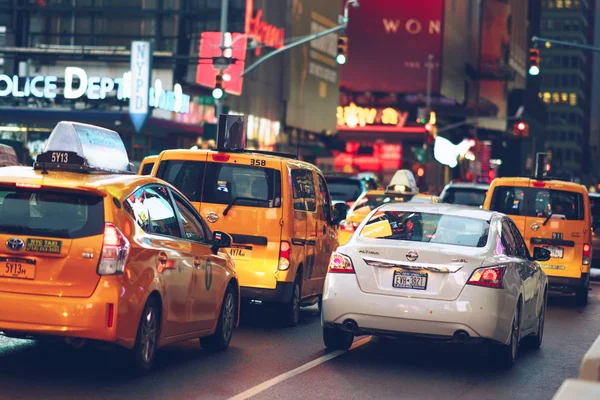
x: 342, y: 50
x: 218, y: 90
x: 534, y: 61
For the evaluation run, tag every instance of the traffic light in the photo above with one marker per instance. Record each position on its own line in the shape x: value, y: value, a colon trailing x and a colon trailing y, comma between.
x: 218, y: 90
x: 521, y: 129
x: 534, y: 62
x: 342, y: 50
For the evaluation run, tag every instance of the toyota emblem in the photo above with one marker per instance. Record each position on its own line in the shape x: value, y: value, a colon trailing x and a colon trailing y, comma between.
x: 412, y: 255
x: 535, y: 227
x: 212, y: 217
x: 15, y: 244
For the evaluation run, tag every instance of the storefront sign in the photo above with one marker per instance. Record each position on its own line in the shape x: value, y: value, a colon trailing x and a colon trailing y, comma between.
x: 263, y: 33
x: 78, y: 85
x: 353, y: 116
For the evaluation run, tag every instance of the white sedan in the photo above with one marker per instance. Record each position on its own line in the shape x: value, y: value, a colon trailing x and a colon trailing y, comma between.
x: 439, y: 271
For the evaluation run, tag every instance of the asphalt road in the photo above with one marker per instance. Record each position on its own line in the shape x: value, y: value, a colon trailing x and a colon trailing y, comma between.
x: 271, y: 362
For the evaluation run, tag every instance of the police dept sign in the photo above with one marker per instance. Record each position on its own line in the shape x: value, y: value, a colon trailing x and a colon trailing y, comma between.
x: 78, y: 85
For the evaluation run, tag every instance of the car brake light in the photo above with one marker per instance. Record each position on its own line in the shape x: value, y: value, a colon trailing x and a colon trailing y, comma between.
x: 538, y: 184
x: 28, y: 185
x: 221, y: 157
x: 115, y: 250
x: 489, y: 277
x: 348, y: 226
x: 340, y: 264
x: 285, y: 252
x: 587, y: 252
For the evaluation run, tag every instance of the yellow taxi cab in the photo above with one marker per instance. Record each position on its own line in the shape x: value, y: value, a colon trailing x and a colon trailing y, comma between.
x: 278, y: 211
x: 89, y: 250
x: 402, y: 188
x: 147, y: 165
x: 553, y: 214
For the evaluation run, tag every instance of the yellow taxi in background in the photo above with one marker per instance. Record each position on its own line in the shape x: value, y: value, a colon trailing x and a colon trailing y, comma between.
x: 555, y: 215
x: 147, y: 165
x: 425, y: 198
x: 89, y: 250
x: 278, y: 211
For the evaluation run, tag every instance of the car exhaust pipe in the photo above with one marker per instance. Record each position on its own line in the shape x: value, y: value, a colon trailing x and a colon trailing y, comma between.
x: 350, y: 326
x: 76, y: 343
x: 461, y: 336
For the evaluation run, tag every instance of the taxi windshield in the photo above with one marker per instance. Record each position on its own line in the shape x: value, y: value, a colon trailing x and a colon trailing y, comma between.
x: 370, y: 202
x: 147, y: 168
x: 49, y: 213
x: 427, y: 227
x: 538, y: 202
x: 344, y: 189
x: 464, y: 196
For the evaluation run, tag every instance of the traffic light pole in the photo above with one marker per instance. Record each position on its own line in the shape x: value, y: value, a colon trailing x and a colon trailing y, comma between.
x: 224, y: 17
x: 536, y: 39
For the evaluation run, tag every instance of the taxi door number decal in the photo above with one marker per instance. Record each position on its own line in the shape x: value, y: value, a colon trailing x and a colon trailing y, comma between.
x: 259, y: 163
x: 557, y: 235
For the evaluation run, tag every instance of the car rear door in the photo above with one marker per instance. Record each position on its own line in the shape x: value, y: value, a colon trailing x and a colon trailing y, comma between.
x: 50, y: 240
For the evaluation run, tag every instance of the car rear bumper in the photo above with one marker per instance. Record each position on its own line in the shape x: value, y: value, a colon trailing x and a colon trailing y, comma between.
x: 281, y: 294
x: 562, y: 285
x: 88, y: 318
x: 482, y: 313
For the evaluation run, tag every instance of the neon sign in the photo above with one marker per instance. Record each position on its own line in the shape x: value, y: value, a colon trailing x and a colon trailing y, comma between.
x: 353, y: 116
x: 263, y: 33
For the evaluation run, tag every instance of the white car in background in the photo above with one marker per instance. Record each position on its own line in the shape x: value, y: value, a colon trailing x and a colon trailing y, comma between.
x: 436, y: 270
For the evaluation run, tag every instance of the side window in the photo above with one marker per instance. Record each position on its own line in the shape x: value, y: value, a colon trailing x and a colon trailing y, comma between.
x: 192, y: 227
x: 508, y: 240
x: 303, y: 187
x: 152, y: 210
x: 186, y: 176
x: 522, y: 250
x: 326, y: 198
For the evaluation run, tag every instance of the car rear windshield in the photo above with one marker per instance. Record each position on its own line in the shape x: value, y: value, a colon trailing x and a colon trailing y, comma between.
x: 50, y: 213
x: 538, y: 202
x: 342, y: 189
x: 466, y: 197
x: 147, y: 169
x: 427, y: 227
x: 221, y: 183
x: 595, y: 205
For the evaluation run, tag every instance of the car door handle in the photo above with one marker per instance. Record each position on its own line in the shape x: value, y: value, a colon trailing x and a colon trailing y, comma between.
x: 197, y: 263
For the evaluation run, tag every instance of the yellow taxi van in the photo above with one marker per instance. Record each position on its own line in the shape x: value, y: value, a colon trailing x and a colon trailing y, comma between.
x: 89, y: 250
x: 278, y: 211
x: 146, y: 165
x: 555, y: 215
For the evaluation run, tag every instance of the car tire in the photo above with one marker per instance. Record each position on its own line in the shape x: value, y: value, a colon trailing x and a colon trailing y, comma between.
x: 146, y: 342
x: 291, y: 309
x: 506, y: 354
x: 581, y: 296
x: 336, y: 338
x: 220, y: 340
x: 536, y: 340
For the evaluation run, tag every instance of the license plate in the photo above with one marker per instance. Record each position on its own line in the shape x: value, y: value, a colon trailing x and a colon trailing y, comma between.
x: 410, y: 280
x: 555, y: 252
x: 19, y: 268
x: 241, y: 252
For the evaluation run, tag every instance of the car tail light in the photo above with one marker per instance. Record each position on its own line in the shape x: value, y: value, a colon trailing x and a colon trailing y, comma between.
x: 348, y: 226
x: 340, y: 264
x: 221, y: 157
x: 587, y: 252
x: 115, y: 250
x: 489, y: 277
x: 285, y: 252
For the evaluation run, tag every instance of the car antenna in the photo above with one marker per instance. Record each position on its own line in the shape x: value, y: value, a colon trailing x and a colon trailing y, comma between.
x: 44, y: 171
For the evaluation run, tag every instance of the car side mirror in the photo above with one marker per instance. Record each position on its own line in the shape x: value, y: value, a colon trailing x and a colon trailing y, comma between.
x: 220, y: 240
x: 541, y: 254
x: 340, y: 211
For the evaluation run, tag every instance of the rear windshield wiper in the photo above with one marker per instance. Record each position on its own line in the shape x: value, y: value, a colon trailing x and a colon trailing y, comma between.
x: 548, y: 218
x: 235, y: 199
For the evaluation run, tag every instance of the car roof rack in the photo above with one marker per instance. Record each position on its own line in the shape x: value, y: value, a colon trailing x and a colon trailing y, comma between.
x: 263, y: 152
x: 77, y: 147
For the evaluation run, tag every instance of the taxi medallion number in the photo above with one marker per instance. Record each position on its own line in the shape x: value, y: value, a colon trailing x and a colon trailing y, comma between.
x: 258, y: 163
x: 241, y: 252
x: 19, y: 268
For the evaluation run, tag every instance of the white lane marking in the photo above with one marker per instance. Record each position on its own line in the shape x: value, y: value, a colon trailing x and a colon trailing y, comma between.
x: 303, y: 368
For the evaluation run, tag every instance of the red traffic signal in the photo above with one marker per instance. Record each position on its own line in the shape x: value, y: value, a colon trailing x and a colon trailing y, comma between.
x: 521, y: 129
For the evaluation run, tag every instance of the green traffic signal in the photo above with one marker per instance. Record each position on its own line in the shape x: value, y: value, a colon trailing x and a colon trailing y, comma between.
x: 341, y: 59
x: 534, y: 70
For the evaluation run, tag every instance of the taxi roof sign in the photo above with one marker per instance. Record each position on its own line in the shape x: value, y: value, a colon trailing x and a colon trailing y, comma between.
x: 403, y: 181
x: 75, y: 146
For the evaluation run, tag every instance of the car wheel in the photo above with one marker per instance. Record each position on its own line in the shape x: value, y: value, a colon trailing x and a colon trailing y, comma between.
x: 220, y: 340
x: 581, y: 296
x: 146, y: 342
x: 291, y: 310
x: 539, y: 336
x: 337, y: 339
x: 507, y: 353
